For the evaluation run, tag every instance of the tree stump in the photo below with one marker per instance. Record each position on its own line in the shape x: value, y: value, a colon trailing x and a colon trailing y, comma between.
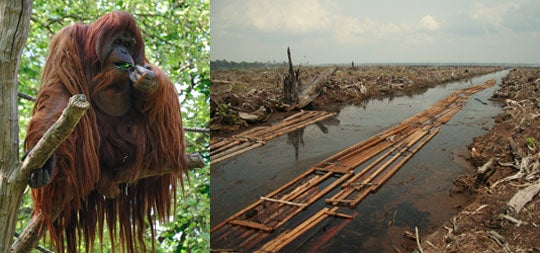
x: 291, y: 84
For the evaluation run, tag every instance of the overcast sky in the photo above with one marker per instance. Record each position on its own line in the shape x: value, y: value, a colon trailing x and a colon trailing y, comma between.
x: 381, y: 31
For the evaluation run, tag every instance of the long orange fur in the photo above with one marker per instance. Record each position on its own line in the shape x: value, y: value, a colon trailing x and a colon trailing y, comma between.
x: 151, y: 133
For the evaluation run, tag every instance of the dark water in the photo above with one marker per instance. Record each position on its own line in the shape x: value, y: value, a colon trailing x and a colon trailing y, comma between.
x: 417, y: 195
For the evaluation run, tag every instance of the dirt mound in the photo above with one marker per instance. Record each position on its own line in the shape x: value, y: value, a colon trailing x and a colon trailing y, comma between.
x: 509, y: 159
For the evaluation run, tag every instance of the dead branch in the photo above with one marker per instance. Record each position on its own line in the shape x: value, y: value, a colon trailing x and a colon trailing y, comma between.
x: 524, y: 196
x: 484, y: 168
x: 499, y: 239
x: 523, y: 167
x: 418, y: 240
x: 312, y: 89
x: 512, y: 219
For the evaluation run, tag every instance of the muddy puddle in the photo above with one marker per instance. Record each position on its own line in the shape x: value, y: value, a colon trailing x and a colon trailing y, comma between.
x: 417, y: 195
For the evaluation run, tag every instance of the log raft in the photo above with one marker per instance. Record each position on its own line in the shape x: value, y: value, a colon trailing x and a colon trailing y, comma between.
x: 224, y: 148
x: 271, y: 223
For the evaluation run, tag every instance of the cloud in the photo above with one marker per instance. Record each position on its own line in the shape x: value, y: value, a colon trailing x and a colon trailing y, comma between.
x: 367, y: 30
x: 300, y: 16
x: 428, y: 23
x: 325, y: 31
x: 492, y: 13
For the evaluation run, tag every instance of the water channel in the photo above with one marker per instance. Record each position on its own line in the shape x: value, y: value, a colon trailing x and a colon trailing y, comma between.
x: 417, y: 195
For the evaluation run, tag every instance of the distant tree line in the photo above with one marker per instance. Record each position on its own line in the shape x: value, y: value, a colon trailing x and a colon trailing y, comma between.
x: 224, y: 64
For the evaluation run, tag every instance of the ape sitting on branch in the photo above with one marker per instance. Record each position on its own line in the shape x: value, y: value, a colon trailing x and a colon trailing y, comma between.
x: 133, y: 127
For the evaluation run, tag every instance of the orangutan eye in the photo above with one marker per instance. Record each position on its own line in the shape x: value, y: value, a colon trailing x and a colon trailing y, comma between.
x: 118, y: 41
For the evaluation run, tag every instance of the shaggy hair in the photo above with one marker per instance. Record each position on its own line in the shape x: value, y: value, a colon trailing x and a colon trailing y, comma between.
x: 148, y: 137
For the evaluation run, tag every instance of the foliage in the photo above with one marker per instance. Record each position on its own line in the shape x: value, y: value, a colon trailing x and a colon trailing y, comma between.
x: 176, y: 34
x: 531, y: 142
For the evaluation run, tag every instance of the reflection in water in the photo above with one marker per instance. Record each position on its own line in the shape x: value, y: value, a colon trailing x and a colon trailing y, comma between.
x: 322, y: 127
x: 296, y: 138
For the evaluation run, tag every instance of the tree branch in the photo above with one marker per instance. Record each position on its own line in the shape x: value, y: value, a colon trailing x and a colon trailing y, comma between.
x: 29, y: 238
x: 187, y: 129
x: 54, y: 136
x: 197, y: 129
x: 194, y: 161
x: 26, y: 96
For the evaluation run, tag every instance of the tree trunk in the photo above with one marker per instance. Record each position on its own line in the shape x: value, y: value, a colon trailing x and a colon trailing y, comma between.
x: 291, y: 84
x: 298, y: 95
x: 14, y: 23
x: 312, y: 89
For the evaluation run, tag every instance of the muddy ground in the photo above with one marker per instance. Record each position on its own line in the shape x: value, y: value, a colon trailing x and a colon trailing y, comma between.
x: 258, y: 91
x: 489, y: 224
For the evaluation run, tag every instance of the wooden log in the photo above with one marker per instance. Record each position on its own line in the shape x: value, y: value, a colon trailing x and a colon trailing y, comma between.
x: 404, y: 146
x: 251, y: 133
x: 236, y: 215
x: 368, y: 154
x: 330, y: 187
x: 285, y: 238
x: 249, y: 140
x: 370, y: 166
x: 364, y: 144
x: 285, y: 215
x: 300, y: 190
x: 361, y: 196
x: 316, y: 197
x: 294, y: 116
x: 243, y: 150
x: 524, y: 196
x: 311, y: 90
x: 405, y: 159
x: 286, y: 129
x: 224, y: 149
x: 340, y: 215
x: 335, y: 201
x: 251, y: 242
x: 289, y: 124
x: 258, y: 202
x: 284, y: 202
x: 335, y: 169
x: 400, y: 148
x: 250, y: 224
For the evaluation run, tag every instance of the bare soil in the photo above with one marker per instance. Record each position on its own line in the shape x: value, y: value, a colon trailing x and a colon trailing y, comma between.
x: 259, y: 91
x: 486, y: 225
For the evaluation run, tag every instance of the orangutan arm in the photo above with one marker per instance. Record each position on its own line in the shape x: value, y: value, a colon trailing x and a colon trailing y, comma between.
x: 52, y: 101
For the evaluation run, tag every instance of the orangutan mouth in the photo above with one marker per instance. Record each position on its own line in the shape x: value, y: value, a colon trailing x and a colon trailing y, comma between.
x: 125, y: 66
